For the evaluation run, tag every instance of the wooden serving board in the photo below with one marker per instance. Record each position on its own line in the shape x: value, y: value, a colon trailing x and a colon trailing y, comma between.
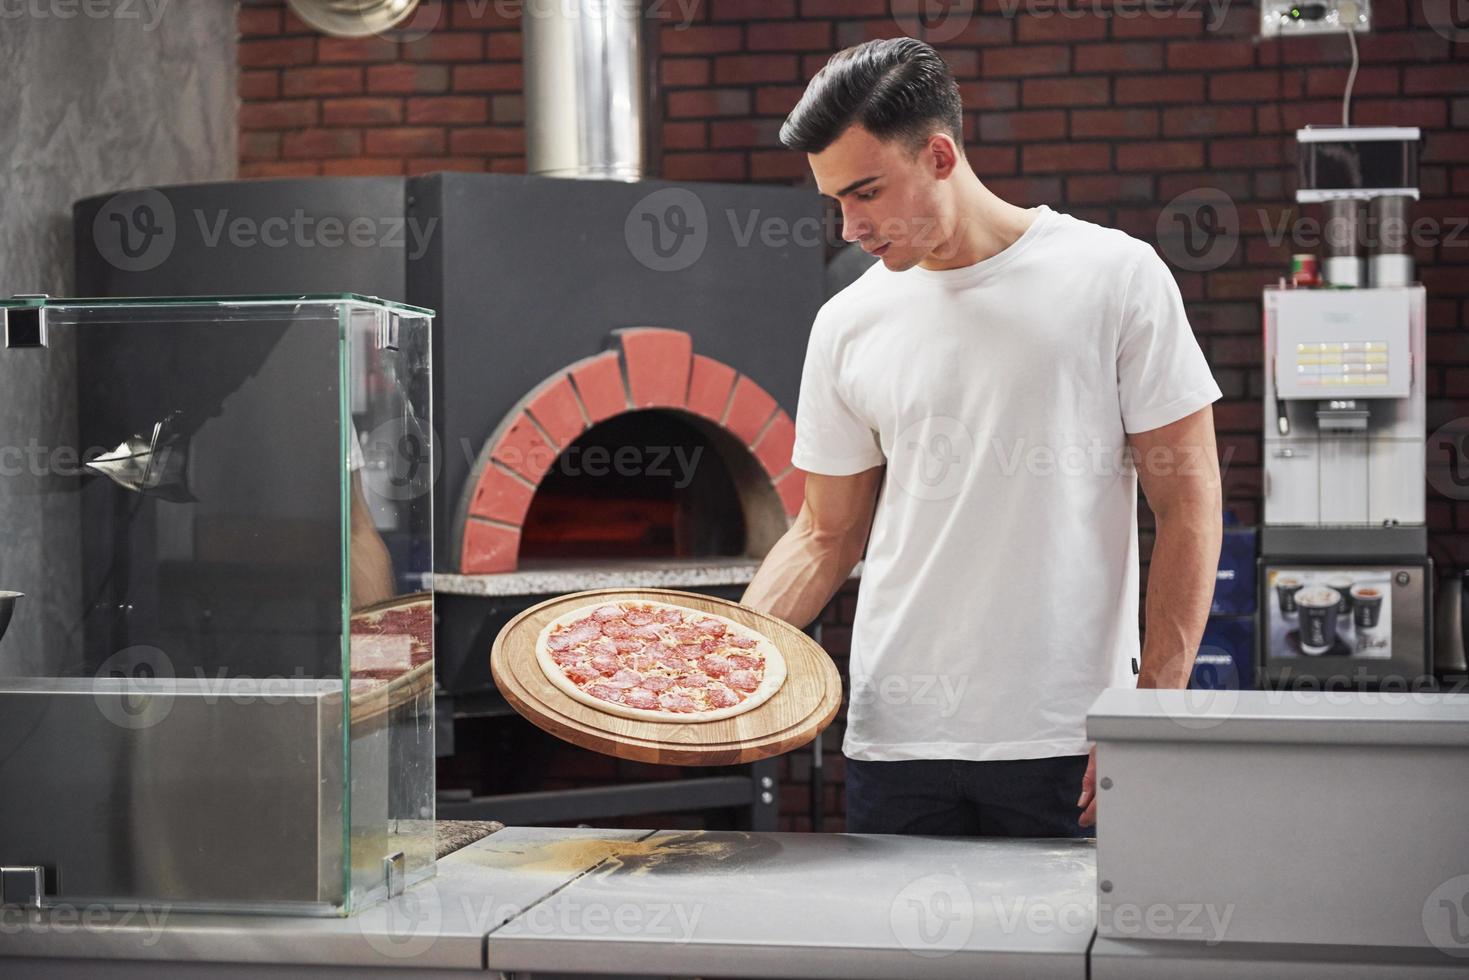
x: 805, y: 704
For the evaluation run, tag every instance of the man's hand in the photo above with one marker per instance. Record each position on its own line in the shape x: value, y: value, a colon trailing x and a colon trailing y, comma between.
x: 1088, y: 800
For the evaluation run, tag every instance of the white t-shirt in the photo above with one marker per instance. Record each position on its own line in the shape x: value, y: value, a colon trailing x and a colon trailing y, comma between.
x: 1000, y: 591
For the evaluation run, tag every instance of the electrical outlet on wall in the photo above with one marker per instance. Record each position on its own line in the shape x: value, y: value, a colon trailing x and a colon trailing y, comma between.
x: 1281, y: 18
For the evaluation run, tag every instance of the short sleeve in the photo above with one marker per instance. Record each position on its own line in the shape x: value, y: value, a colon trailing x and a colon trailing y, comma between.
x: 831, y: 439
x: 1161, y: 372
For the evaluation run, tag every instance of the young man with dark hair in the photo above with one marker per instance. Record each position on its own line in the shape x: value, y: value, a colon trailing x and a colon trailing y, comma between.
x: 970, y: 413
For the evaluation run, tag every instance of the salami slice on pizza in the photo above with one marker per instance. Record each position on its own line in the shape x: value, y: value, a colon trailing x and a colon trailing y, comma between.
x: 654, y: 661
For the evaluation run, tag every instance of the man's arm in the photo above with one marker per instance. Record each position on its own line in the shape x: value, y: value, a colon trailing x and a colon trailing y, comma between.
x: 812, y: 560
x: 1178, y: 469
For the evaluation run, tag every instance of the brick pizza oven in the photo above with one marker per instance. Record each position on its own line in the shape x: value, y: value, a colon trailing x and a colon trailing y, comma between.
x: 665, y: 408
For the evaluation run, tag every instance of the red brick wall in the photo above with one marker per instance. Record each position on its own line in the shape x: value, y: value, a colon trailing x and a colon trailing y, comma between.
x: 1072, y: 104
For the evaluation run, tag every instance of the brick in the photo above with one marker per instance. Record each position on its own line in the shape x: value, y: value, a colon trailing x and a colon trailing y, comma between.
x: 276, y: 52
x: 362, y: 167
x: 315, y: 144
x: 744, y: 132
x: 520, y: 447
x: 499, y: 496
x: 446, y: 46
x: 1064, y: 157
x: 775, y: 446
x: 793, y: 36
x: 754, y: 9
x: 991, y: 161
x: 488, y: 548
x: 503, y: 46
x: 1064, y: 91
x: 1056, y: 23
x: 507, y: 165
x: 778, y: 165
x: 598, y: 382
x: 355, y: 50
x: 751, y: 407
x: 1437, y: 79
x: 487, y: 140
x: 1185, y: 20
x: 427, y: 110
x: 1427, y: 113
x: 1208, y: 120
x: 989, y: 94
x: 488, y: 78
x: 419, y: 141
x: 1052, y: 59
x: 1107, y: 188
x: 259, y: 21
x: 728, y: 166
x: 1254, y: 86
x: 362, y: 112
x: 1200, y: 55
x: 405, y: 79
x: 1131, y: 56
x: 704, y: 103
x: 1370, y: 81
x: 792, y: 490
x: 1027, y: 191
x: 256, y: 85
x: 684, y: 71
x: 685, y: 135
x: 710, y: 383
x: 260, y: 146
x: 656, y: 362
x: 1410, y: 46
x: 701, y: 39
x: 321, y: 81
x: 734, y: 69
x: 1253, y: 152
x: 1159, y: 89
x: 845, y: 8
x: 776, y: 100
x: 278, y: 115
x: 483, y: 15
x: 1008, y: 127
x: 1175, y: 155
x: 507, y: 108
x: 553, y: 404
x: 1128, y: 123
x: 962, y: 63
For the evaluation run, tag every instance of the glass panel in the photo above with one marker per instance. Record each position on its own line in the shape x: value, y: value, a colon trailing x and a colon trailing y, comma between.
x: 180, y: 509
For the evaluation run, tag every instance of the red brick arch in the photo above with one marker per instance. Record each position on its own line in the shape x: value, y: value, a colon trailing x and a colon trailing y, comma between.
x: 649, y: 368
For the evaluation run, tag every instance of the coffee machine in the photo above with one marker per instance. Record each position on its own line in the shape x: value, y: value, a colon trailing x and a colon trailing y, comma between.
x: 1344, y: 574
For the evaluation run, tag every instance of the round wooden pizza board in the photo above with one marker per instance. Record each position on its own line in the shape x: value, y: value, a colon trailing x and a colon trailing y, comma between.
x: 805, y: 704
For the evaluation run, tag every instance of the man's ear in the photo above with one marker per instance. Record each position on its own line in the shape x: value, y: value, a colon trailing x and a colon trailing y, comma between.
x: 941, y: 155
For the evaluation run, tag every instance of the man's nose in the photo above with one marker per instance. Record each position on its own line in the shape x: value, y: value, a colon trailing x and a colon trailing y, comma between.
x: 854, y: 227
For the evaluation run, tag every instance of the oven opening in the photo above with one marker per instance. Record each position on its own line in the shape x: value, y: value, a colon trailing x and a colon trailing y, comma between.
x: 652, y: 484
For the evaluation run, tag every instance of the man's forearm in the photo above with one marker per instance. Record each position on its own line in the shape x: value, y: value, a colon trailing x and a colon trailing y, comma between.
x: 800, y: 575
x: 1180, y: 589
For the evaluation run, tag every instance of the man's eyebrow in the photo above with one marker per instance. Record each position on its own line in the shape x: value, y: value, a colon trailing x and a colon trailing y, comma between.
x: 854, y: 186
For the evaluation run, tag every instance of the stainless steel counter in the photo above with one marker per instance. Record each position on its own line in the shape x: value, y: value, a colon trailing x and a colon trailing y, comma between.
x: 534, y: 901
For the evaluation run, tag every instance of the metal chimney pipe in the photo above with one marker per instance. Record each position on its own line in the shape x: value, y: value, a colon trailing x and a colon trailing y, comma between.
x: 591, y: 72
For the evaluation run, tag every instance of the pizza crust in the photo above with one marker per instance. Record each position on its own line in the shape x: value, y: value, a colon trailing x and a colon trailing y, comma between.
x: 770, y: 682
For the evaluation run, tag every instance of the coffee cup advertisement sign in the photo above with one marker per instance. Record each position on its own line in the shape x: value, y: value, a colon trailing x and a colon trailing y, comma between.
x: 1330, y: 612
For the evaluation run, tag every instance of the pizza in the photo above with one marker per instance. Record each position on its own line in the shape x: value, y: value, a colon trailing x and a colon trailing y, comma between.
x: 659, y: 662
x: 389, y: 641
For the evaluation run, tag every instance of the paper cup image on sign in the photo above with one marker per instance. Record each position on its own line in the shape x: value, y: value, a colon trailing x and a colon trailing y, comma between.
x: 1323, y: 612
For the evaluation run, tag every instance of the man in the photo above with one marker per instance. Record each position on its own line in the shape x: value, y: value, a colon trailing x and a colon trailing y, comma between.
x: 971, y: 402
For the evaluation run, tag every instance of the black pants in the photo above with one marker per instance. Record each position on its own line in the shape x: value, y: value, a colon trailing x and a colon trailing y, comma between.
x: 952, y: 797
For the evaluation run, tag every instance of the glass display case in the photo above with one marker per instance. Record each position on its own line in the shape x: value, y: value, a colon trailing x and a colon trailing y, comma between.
x: 216, y: 663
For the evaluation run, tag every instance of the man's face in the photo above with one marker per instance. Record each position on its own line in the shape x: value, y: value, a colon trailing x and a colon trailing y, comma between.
x: 893, y: 202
